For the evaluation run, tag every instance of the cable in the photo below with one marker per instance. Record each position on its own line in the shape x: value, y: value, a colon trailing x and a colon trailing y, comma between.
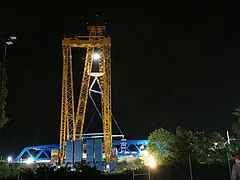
x: 117, y: 124
x: 90, y: 90
x: 95, y: 106
x: 90, y: 122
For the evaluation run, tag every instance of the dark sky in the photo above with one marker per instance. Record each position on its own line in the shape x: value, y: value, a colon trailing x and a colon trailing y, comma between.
x: 173, y: 63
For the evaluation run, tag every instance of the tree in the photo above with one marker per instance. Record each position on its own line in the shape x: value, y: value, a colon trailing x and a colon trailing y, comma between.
x: 159, y: 145
x: 10, y: 170
x: 3, y: 95
x: 209, y: 149
x: 236, y: 126
x: 128, y: 165
x: 184, y: 143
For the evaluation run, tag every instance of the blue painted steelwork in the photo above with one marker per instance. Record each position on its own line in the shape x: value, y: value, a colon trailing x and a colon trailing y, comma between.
x: 131, y: 148
x: 124, y: 148
x: 69, y: 152
x: 78, y: 150
x: 98, y: 154
x: 90, y: 152
x: 37, y: 153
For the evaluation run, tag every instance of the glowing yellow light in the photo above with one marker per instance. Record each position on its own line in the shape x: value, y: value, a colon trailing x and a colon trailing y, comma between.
x: 151, y: 162
x: 148, y: 159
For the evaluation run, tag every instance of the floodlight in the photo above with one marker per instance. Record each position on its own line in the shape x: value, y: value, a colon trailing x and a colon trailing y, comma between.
x: 96, y: 56
x: 9, y: 42
x: 152, y: 162
x: 9, y: 159
x: 29, y: 160
x: 13, y: 37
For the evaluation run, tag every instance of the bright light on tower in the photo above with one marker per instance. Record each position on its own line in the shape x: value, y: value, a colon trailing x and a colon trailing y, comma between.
x: 96, y: 56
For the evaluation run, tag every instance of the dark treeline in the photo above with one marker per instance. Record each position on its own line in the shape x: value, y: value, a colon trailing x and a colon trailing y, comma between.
x: 9, y: 171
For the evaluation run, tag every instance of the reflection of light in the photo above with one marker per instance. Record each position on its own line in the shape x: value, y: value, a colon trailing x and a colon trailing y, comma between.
x: 96, y: 56
x: 9, y: 159
x: 29, y: 160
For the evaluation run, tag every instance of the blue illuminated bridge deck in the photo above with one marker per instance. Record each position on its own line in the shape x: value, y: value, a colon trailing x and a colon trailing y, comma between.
x: 42, y: 153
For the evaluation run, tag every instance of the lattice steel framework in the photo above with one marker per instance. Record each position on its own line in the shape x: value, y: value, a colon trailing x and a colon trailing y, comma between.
x: 72, y: 124
x: 124, y: 149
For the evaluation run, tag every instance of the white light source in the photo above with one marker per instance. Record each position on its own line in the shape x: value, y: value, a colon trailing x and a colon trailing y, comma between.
x: 144, y: 153
x: 9, y: 42
x: 96, y: 56
x: 13, y: 37
x: 29, y: 160
x: 9, y: 159
x: 148, y: 159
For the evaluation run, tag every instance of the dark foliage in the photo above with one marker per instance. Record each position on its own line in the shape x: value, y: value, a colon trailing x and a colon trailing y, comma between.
x: 199, y: 172
x: 9, y: 171
x: 3, y: 95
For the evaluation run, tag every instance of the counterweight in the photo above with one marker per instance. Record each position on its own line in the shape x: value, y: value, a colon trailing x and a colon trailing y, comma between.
x: 72, y: 122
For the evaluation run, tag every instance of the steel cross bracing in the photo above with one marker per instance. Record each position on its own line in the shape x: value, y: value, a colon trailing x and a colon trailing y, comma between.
x: 125, y: 148
x: 72, y: 124
x: 37, y: 153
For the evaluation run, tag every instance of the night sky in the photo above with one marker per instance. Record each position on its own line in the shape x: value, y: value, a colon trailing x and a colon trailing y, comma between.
x: 173, y: 63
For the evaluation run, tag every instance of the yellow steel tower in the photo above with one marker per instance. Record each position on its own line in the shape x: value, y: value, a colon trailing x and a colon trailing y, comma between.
x: 72, y: 122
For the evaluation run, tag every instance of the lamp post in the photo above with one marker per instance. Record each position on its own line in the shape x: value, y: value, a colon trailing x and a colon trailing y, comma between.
x: 143, y: 174
x: 149, y: 173
x: 5, y: 41
x: 228, y: 160
x: 190, y: 166
x: 151, y: 163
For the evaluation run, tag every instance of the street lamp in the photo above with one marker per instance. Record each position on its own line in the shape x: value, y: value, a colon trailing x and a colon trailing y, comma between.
x: 9, y: 159
x: 228, y: 160
x: 5, y: 41
x: 150, y: 162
